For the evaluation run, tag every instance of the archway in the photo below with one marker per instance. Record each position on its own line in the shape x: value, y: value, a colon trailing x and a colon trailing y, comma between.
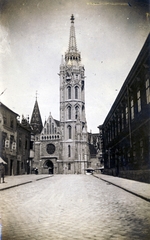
x: 49, y: 165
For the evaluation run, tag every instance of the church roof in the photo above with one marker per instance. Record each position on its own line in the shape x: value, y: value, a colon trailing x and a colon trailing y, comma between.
x: 57, y: 122
x: 36, y: 121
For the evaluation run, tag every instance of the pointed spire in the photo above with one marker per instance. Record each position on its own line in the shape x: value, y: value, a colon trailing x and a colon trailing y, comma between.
x: 72, y: 39
x: 36, y: 121
x: 72, y: 54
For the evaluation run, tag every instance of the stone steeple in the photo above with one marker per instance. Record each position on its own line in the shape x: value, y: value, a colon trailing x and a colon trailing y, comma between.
x: 72, y: 55
x: 72, y: 40
x: 36, y: 121
x: 73, y: 124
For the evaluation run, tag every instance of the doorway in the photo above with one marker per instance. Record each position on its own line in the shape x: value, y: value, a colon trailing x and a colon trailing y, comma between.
x: 11, y: 167
x: 50, y: 166
x: 18, y: 167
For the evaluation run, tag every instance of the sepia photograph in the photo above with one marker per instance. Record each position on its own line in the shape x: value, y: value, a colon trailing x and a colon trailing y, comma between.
x: 74, y: 119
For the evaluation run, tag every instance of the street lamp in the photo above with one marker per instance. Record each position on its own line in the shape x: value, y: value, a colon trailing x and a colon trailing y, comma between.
x: 40, y: 161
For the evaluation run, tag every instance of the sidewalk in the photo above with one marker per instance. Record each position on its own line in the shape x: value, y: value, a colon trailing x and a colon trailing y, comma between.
x: 139, y: 189
x: 14, y: 181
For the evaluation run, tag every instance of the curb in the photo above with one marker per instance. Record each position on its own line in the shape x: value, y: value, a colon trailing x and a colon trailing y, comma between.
x: 42, y: 178
x: 19, y: 184
x: 136, y: 194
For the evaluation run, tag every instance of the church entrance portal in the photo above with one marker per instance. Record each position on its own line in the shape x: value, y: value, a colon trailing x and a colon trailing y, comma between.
x: 49, y: 166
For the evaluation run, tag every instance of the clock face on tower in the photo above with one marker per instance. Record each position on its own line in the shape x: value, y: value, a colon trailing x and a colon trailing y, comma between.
x: 50, y: 148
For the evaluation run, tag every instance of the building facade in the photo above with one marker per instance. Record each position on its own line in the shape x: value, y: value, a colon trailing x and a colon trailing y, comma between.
x: 24, y: 161
x: 126, y: 129
x: 96, y: 158
x: 8, y: 138
x: 14, y: 141
x: 62, y: 146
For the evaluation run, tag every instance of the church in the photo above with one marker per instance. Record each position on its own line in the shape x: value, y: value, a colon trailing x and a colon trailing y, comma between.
x: 62, y: 147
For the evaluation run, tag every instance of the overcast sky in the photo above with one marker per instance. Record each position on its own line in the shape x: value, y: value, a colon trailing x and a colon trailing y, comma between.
x: 35, y: 33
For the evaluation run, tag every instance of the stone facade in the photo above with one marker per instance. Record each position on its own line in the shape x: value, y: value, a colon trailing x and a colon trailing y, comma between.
x: 8, y: 137
x: 14, y: 141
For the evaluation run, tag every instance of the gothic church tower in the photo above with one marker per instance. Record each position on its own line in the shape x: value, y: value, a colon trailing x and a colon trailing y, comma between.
x: 74, y: 142
x: 61, y: 147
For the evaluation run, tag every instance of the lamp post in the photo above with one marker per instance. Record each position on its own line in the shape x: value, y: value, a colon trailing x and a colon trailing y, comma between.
x: 28, y: 167
x: 40, y: 166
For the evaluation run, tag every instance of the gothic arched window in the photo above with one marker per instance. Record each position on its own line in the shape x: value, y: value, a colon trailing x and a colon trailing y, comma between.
x: 47, y: 128
x: 69, y: 151
x: 76, y: 92
x: 69, y: 132
x: 69, y: 112
x: 52, y: 128
x: 69, y: 92
x: 69, y: 166
x: 76, y: 112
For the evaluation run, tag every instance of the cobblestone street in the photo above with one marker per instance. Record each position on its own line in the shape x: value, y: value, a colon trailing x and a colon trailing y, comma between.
x: 72, y: 207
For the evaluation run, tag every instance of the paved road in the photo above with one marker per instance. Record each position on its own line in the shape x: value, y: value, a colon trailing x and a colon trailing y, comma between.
x: 72, y: 207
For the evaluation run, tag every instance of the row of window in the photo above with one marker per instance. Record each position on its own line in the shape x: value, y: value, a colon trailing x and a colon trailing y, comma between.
x: 69, y: 110
x: 49, y: 128
x: 77, y: 58
x: 11, y: 143
x: 11, y: 122
x: 76, y: 92
x: 127, y: 112
x: 50, y: 137
x: 125, y: 156
x: 132, y: 104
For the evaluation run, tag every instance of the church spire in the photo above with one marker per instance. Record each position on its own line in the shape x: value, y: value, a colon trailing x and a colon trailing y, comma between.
x: 72, y: 39
x: 36, y: 121
x: 72, y: 54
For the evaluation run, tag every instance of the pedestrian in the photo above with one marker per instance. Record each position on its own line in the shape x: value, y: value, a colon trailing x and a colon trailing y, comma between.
x: 36, y: 170
x: 2, y: 172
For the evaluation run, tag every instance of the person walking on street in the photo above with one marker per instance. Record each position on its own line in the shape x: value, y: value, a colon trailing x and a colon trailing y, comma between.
x: 36, y: 171
x: 2, y: 172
